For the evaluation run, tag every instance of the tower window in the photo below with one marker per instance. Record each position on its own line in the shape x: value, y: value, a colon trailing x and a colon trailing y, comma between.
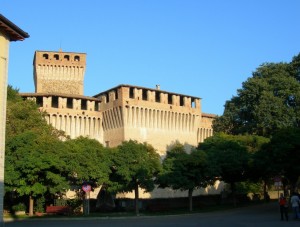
x: 170, y: 99
x: 157, y: 96
x: 144, y: 94
x: 67, y: 57
x: 131, y: 92
x: 83, y: 104
x: 39, y: 101
x: 69, y: 103
x: 54, y: 103
x: 181, y: 101
x: 116, y: 94
x: 96, y: 108
x: 45, y: 56
x: 56, y: 56
x: 76, y: 58
x: 193, y: 104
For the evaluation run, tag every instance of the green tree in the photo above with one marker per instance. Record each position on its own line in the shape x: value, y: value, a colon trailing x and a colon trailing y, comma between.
x: 229, y: 157
x: 284, y: 153
x: 33, y: 166
x: 267, y: 101
x: 135, y: 165
x: 23, y: 115
x: 183, y: 171
x: 87, y: 161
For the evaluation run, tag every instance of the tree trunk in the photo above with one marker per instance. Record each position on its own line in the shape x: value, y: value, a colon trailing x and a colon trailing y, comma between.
x: 265, y: 191
x: 191, y: 199
x: 136, y: 193
x: 232, y: 185
x: 31, y: 201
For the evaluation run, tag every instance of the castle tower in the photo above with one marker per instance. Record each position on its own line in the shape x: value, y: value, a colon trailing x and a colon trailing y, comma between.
x: 59, y: 72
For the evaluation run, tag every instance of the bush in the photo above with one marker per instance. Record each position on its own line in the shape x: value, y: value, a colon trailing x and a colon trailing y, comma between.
x: 75, y: 205
x: 40, y: 205
x: 19, y: 207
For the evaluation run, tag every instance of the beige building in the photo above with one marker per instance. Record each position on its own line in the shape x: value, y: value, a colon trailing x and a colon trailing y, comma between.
x: 8, y: 32
x: 124, y: 112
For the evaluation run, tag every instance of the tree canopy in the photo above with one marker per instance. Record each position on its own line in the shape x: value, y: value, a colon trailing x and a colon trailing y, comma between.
x: 87, y: 161
x: 268, y: 101
x: 134, y: 165
x: 183, y: 171
x: 283, y: 155
x: 33, y: 166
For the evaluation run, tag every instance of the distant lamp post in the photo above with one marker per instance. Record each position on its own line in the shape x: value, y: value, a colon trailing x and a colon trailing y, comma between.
x: 8, y: 32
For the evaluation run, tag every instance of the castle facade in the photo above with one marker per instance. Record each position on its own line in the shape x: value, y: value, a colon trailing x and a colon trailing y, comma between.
x: 125, y: 112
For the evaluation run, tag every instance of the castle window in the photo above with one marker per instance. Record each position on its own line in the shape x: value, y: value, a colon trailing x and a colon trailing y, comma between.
x: 193, y: 104
x: 45, y: 56
x: 83, y: 104
x: 70, y: 103
x: 157, y: 96
x: 116, y: 94
x: 54, y: 103
x: 76, y: 58
x: 181, y: 101
x: 96, y: 108
x: 131, y: 92
x: 145, y: 94
x: 170, y: 99
x: 39, y: 101
x: 56, y: 56
x: 67, y: 57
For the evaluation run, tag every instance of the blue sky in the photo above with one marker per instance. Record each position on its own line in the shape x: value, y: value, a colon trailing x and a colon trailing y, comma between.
x: 199, y: 48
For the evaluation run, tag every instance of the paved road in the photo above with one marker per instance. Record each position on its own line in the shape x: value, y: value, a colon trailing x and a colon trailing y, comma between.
x: 260, y: 215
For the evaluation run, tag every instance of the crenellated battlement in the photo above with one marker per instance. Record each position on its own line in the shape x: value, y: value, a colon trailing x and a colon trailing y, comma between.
x: 155, y: 98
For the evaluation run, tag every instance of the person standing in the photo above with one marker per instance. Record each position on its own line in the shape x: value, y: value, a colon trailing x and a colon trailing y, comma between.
x: 283, y: 204
x: 295, y: 205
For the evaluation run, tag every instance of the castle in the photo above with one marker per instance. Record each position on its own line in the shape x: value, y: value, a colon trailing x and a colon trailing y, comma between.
x: 124, y: 112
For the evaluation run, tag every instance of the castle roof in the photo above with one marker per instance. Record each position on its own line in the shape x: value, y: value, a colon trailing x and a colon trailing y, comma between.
x: 60, y: 95
x: 138, y: 87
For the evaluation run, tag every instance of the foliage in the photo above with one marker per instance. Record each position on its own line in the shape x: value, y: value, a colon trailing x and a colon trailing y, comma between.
x: 86, y: 160
x: 184, y: 171
x: 75, y: 204
x: 19, y: 207
x: 134, y: 165
x: 33, y: 166
x: 283, y: 154
x: 229, y: 157
x: 23, y: 115
x: 246, y: 187
x: 267, y: 101
x: 40, y: 205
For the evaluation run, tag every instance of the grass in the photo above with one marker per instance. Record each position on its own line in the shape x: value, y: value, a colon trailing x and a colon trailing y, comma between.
x: 179, y: 211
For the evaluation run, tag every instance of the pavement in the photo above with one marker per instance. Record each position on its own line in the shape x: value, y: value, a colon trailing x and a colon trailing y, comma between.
x: 257, y: 215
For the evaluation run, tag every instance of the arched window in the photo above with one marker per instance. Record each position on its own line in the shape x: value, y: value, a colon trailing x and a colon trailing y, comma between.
x: 76, y: 58
x: 46, y: 56
x: 56, y: 56
x: 67, y: 57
